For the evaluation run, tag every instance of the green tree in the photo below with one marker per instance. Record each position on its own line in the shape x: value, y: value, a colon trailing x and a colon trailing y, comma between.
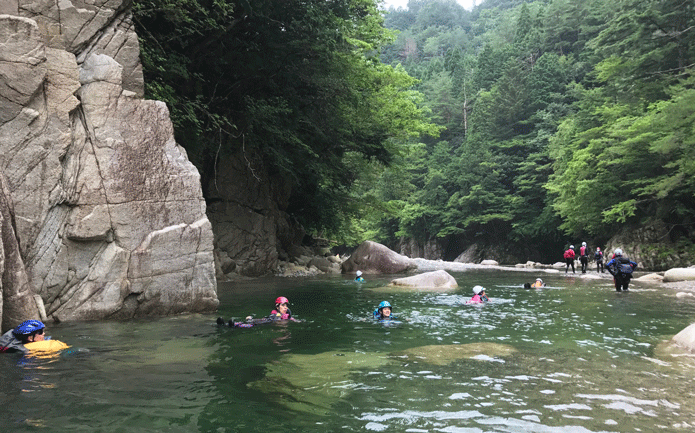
x: 295, y: 85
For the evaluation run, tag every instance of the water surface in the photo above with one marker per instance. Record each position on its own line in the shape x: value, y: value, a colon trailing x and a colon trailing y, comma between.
x: 575, y: 356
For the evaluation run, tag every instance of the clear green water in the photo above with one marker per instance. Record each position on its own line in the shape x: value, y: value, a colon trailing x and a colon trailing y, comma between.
x: 575, y: 357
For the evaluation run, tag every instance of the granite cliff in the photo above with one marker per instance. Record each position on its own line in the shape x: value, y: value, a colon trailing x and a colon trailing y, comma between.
x: 108, y: 210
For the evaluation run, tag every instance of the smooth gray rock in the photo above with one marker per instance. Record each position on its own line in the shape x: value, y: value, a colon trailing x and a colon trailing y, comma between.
x: 686, y: 338
x: 434, y: 281
x: 679, y: 274
x: 374, y: 258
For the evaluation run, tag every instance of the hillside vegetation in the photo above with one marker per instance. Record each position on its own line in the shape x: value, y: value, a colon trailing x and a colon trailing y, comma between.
x: 538, y: 123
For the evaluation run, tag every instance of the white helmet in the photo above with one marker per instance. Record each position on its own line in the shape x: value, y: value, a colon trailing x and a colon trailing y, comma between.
x: 618, y: 252
x: 358, y: 273
x: 478, y: 289
x: 583, y: 244
x: 538, y: 279
x: 571, y: 247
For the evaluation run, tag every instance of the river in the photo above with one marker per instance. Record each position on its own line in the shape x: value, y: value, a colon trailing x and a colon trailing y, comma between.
x: 573, y: 357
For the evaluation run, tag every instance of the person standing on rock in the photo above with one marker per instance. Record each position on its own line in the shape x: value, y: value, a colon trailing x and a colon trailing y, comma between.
x: 621, y: 268
x: 569, y: 258
x: 584, y: 257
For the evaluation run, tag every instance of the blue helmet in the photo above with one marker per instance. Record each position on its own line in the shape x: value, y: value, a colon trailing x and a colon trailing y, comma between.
x: 384, y: 304
x: 28, y: 327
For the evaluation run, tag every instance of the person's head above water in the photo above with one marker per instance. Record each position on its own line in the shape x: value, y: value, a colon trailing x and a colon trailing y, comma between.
x: 384, y: 308
x: 538, y: 280
x: 29, y: 331
x: 478, y: 289
x: 358, y: 273
x: 282, y: 305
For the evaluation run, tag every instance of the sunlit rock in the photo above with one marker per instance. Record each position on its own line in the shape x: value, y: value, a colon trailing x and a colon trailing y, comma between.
x: 679, y: 274
x: 435, y: 281
x: 489, y: 263
x: 446, y: 354
x: 686, y: 338
x: 653, y: 278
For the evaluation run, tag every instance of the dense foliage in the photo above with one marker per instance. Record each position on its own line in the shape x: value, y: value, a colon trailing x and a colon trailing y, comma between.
x: 564, y: 119
x: 296, y: 86
x: 559, y: 119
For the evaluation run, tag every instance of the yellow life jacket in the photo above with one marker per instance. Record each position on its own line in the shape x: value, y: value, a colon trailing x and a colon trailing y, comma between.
x: 45, y: 348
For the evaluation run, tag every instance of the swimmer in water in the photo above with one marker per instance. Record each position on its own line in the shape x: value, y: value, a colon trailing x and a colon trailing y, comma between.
x: 479, y: 296
x: 280, y: 313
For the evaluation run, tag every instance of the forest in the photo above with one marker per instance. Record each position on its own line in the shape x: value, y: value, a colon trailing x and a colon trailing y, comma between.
x: 517, y: 123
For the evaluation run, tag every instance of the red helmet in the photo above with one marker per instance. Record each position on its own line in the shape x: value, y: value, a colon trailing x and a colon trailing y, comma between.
x: 281, y: 300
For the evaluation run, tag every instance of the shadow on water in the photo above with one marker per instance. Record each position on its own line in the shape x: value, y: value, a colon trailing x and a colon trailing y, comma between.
x: 575, y: 356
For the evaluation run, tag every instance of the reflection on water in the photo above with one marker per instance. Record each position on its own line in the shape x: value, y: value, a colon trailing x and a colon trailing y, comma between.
x: 575, y: 356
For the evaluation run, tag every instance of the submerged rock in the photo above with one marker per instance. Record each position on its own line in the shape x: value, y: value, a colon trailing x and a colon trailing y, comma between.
x: 446, y: 354
x: 313, y: 383
x: 435, y: 281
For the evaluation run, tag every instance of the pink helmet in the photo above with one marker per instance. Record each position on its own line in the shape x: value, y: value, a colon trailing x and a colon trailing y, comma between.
x: 281, y: 300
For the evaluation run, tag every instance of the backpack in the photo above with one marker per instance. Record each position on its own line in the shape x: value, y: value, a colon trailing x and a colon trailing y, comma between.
x: 569, y: 254
x: 624, y: 266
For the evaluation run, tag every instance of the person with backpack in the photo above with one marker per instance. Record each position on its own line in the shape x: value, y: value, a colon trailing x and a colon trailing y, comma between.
x: 584, y: 257
x: 569, y: 258
x: 598, y: 257
x: 621, y: 268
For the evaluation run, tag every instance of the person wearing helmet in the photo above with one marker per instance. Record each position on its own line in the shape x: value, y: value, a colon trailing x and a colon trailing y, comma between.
x: 281, y: 312
x: 538, y: 284
x: 479, y: 296
x: 598, y: 257
x: 621, y: 268
x: 358, y: 276
x: 282, y: 309
x: 584, y: 257
x: 29, y: 337
x: 569, y: 258
x: 383, y: 311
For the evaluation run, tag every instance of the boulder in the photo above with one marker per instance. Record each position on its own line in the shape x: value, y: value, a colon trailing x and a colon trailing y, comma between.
x: 374, y: 258
x: 653, y: 277
x: 679, y: 274
x: 489, y: 263
x: 435, y: 280
x: 324, y: 265
x: 686, y: 338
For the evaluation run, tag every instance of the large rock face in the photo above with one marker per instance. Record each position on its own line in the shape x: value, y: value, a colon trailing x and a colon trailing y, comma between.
x: 17, y: 302
x: 374, y: 258
x: 247, y: 212
x: 109, y: 210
